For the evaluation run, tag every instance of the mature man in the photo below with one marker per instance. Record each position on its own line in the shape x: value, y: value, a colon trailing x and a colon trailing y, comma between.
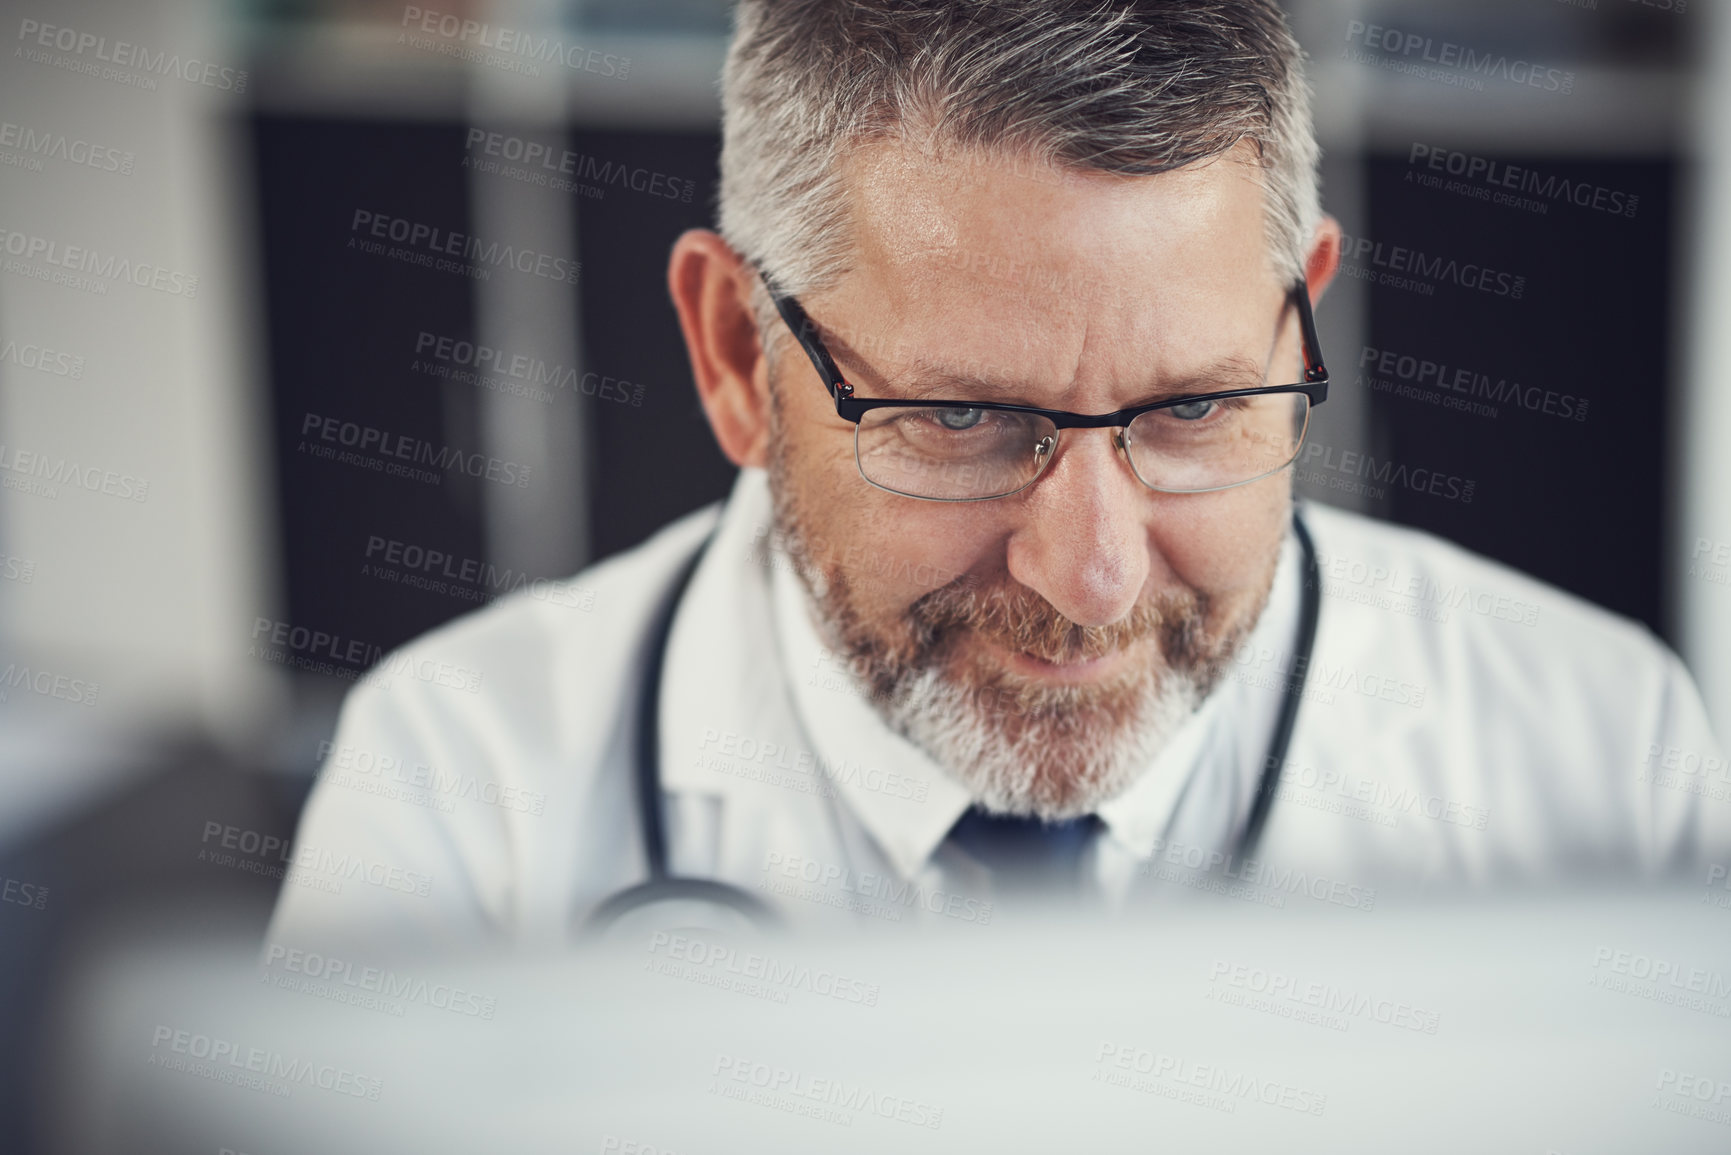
x: 1008, y: 327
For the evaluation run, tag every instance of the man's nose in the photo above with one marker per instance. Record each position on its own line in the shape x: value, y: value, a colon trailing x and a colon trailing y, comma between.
x: 1083, y: 540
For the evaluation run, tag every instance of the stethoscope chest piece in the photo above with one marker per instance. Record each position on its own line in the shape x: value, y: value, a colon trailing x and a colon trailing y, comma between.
x: 685, y: 906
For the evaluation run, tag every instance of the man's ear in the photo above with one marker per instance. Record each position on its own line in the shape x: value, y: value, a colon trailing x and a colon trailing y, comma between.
x: 1323, y: 260
x: 710, y: 285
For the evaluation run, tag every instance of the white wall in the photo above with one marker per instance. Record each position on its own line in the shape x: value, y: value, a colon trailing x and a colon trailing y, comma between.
x: 154, y: 599
x: 1702, y: 589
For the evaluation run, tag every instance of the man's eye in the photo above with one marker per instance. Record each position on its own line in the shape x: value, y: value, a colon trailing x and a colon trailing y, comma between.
x: 1192, y: 410
x: 959, y: 419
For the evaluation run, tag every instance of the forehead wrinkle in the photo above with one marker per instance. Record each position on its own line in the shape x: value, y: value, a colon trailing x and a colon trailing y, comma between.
x: 925, y: 377
x: 885, y: 360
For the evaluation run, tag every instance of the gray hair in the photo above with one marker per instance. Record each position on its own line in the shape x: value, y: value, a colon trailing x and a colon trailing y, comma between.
x: 1134, y: 87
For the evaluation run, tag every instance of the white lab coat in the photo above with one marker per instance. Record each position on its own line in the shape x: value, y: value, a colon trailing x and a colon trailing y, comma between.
x: 1462, y: 723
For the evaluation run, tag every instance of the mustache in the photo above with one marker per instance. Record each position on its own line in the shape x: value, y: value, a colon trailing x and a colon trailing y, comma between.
x: 1020, y: 620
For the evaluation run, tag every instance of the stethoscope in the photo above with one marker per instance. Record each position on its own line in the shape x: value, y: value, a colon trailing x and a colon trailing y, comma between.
x: 664, y: 887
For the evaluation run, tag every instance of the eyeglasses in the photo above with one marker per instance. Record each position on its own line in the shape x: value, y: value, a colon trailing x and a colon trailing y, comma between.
x: 977, y: 450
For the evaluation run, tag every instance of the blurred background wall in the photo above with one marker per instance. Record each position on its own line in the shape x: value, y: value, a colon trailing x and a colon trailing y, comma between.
x: 259, y: 425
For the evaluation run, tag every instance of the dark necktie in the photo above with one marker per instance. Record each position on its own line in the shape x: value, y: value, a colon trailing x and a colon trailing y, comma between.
x: 1025, y: 852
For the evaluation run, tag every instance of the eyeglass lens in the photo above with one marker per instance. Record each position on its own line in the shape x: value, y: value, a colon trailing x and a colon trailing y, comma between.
x: 955, y: 454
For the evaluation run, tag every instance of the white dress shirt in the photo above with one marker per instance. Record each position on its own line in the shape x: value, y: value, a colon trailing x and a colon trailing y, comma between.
x: 1460, y: 722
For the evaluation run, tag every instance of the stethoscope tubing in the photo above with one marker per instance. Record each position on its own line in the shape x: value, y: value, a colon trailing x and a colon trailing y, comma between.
x: 663, y: 886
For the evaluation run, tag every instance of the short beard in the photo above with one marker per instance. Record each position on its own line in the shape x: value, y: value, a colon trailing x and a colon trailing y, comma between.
x: 1017, y: 745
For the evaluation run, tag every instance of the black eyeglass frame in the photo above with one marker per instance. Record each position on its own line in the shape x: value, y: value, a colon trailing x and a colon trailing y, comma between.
x: 851, y: 408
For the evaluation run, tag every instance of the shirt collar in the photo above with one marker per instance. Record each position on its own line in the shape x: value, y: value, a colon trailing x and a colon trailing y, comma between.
x: 714, y: 697
x: 857, y: 748
x: 1224, y: 741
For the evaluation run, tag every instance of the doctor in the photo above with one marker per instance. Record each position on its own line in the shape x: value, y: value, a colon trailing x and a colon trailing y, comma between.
x: 1008, y: 329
